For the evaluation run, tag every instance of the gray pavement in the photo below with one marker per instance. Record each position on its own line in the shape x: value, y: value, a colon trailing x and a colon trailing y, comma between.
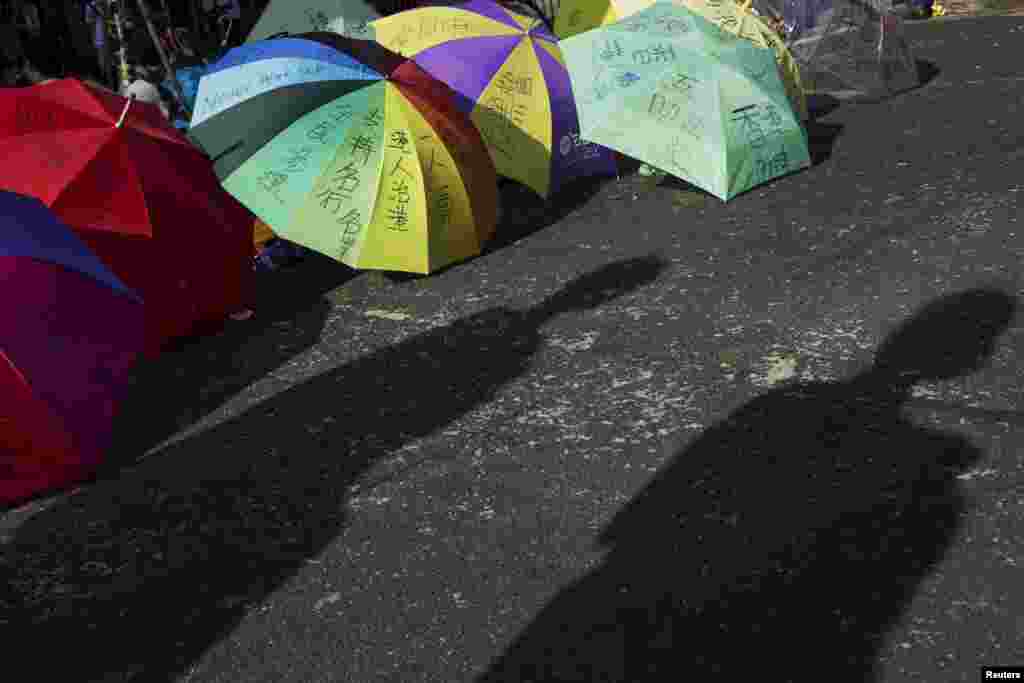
x: 648, y: 436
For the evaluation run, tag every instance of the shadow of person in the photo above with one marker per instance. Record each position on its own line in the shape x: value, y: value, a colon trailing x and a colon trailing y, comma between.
x: 926, y: 71
x: 197, y: 375
x: 141, y: 575
x: 524, y: 212
x: 785, y: 540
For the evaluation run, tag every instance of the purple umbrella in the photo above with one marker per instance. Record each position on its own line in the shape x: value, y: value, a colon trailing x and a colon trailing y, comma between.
x: 69, y: 334
x: 512, y: 81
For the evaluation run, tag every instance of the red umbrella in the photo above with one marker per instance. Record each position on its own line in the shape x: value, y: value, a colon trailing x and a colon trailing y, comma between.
x: 69, y: 334
x: 136, y: 192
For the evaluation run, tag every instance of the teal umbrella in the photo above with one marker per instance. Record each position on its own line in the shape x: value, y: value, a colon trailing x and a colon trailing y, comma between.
x: 347, y: 17
x: 670, y: 88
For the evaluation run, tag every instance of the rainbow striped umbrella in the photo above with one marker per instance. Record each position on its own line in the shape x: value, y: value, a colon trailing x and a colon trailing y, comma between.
x: 346, y: 148
x: 508, y: 72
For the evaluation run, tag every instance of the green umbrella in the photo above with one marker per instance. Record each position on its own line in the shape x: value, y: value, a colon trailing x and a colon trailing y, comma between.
x: 347, y: 17
x: 670, y: 88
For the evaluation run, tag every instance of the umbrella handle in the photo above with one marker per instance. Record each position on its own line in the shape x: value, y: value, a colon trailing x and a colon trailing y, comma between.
x: 124, y: 113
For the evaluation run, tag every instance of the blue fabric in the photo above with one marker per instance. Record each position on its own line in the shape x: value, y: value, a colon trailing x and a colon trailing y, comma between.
x: 279, y: 253
x: 28, y: 229
x: 279, y: 48
x: 268, y: 65
x: 188, y: 77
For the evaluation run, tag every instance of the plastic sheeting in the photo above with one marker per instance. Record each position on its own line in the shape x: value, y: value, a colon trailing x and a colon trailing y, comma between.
x: 846, y: 47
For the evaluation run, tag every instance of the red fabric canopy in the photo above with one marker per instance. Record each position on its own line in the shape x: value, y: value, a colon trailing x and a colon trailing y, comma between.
x: 138, y: 193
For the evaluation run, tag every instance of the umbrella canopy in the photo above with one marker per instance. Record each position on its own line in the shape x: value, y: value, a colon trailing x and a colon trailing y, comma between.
x: 511, y: 79
x: 668, y: 87
x: 137, y: 193
x: 850, y: 47
x: 347, y: 148
x: 70, y: 331
x: 576, y: 16
x: 346, y: 17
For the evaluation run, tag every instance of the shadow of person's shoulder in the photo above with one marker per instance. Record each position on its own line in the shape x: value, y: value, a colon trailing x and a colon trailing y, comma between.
x: 829, y: 447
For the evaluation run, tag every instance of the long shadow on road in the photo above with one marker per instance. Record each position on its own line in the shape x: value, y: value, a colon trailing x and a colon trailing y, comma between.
x: 136, y: 578
x: 200, y: 374
x: 787, y: 539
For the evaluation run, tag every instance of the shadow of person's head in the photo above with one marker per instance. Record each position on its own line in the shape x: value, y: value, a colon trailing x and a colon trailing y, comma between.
x: 598, y: 287
x: 950, y: 337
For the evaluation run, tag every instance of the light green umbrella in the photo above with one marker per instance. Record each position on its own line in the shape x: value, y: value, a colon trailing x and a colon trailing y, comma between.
x: 670, y: 88
x: 347, y: 17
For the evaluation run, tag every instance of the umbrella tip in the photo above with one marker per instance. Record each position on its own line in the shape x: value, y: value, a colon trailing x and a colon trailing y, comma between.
x: 124, y: 112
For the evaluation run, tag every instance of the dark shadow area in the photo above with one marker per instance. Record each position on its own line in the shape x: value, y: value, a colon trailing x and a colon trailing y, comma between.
x: 200, y: 373
x: 280, y: 293
x: 821, y: 139
x: 821, y: 104
x: 136, y: 578
x: 627, y: 165
x: 926, y: 71
x: 784, y: 541
x: 676, y: 183
x: 523, y: 212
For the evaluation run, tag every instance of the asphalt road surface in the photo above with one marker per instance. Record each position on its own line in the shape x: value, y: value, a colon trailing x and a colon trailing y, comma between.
x: 647, y: 437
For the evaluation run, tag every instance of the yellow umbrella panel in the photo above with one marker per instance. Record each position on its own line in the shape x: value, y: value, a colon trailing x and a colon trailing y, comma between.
x: 576, y: 16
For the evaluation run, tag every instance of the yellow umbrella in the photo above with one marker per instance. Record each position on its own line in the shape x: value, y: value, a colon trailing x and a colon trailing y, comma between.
x: 576, y: 16
x: 261, y: 234
x: 346, y: 148
x: 510, y: 78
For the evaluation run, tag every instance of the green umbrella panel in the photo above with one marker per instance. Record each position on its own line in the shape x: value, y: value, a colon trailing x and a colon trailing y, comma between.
x: 347, y: 17
x: 670, y: 88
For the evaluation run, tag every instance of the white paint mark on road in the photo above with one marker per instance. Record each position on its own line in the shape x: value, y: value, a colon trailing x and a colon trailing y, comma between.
x: 326, y: 600
x: 387, y: 315
x: 584, y: 343
x: 779, y: 368
x: 974, y: 474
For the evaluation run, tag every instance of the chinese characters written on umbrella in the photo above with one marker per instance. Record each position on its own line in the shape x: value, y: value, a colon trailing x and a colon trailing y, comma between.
x: 439, y: 196
x: 318, y: 20
x: 672, y: 104
x: 29, y: 117
x: 720, y: 15
x: 222, y: 100
x: 431, y: 28
x: 296, y: 158
x: 611, y: 71
x: 275, y: 78
x: 761, y: 128
x: 272, y: 76
x: 510, y: 110
x: 336, y: 193
x: 664, y: 24
x: 397, y: 158
x: 657, y: 53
